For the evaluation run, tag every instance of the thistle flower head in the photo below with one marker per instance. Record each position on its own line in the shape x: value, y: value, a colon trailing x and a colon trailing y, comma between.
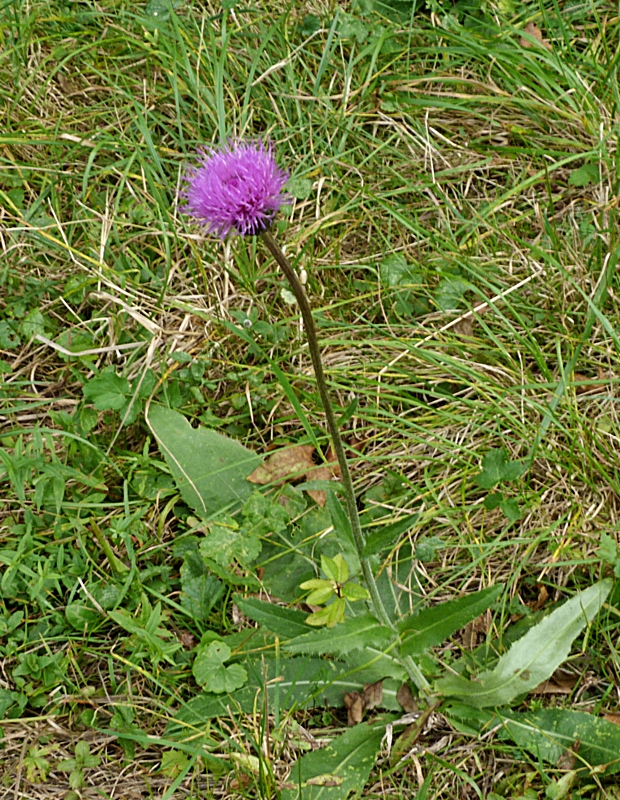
x: 239, y: 186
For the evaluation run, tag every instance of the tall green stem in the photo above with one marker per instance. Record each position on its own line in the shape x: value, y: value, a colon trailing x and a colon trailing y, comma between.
x: 347, y: 483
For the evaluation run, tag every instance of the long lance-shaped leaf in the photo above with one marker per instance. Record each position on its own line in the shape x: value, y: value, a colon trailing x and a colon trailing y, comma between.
x: 285, y: 622
x: 533, y: 658
x: 352, y: 634
x: 433, y: 625
x: 293, y: 683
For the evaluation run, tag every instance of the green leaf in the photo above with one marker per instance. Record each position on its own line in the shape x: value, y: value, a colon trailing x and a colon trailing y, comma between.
x: 286, y: 622
x: 340, y: 520
x: 227, y: 543
x: 210, y: 672
x: 511, y: 509
x: 395, y: 271
x: 76, y: 779
x: 209, y: 469
x: 608, y: 549
x: 379, y: 539
x: 512, y: 470
x: 356, y: 632
x: 557, y: 790
x: 81, y: 617
x: 353, y: 591
x: 107, y: 391
x: 321, y: 591
x: 497, y: 468
x: 548, y: 733
x: 426, y: 548
x: 302, y: 682
x: 310, y: 24
x: 200, y: 590
x: 353, y: 28
x: 347, y: 761
x: 229, y: 576
x: 449, y: 293
x: 466, y: 719
x: 299, y: 188
x: 173, y: 762
x: 264, y: 515
x: 588, y: 173
x: 8, y: 338
x: 32, y: 324
x: 432, y: 626
x: 493, y: 501
x: 330, y: 616
x: 342, y: 529
x: 335, y: 568
x: 533, y: 658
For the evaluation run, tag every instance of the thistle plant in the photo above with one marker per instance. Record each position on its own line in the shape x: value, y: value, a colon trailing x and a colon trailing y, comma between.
x: 240, y: 187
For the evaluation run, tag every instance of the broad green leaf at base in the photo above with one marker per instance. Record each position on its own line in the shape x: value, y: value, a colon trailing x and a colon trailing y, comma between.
x: 209, y: 469
x: 533, y: 658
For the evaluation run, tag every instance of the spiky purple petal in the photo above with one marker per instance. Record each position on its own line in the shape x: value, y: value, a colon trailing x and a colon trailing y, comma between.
x: 239, y: 186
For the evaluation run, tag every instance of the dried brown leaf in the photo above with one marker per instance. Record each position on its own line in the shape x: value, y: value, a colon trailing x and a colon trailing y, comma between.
x: 533, y: 30
x: 324, y: 472
x: 479, y: 625
x: 357, y: 703
x: 568, y: 759
x: 406, y: 700
x: 187, y: 639
x: 291, y: 463
x: 355, y: 707
x: 242, y: 781
x: 465, y: 326
x: 543, y: 596
x: 559, y: 683
x: 613, y: 718
x: 372, y: 695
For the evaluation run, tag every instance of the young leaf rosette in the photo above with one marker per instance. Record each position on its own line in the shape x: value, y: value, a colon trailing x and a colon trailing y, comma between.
x: 336, y: 585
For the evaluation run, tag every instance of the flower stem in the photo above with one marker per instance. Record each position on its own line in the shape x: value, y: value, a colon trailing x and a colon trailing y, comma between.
x: 347, y: 483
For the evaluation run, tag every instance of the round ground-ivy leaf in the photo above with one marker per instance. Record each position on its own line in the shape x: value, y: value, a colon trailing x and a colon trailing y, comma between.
x: 210, y: 672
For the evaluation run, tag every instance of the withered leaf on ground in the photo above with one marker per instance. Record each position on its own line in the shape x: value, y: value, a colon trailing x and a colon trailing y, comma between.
x: 355, y: 707
x: 290, y: 463
x: 242, y: 781
x: 479, y: 625
x: 406, y: 700
x: 187, y: 639
x: 372, y: 695
x: 613, y: 718
x: 356, y: 703
x: 543, y: 596
x: 533, y: 30
x: 559, y: 683
x: 568, y: 759
x: 324, y: 472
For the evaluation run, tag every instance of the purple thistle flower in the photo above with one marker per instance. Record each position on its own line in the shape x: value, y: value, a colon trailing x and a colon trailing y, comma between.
x: 239, y: 186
